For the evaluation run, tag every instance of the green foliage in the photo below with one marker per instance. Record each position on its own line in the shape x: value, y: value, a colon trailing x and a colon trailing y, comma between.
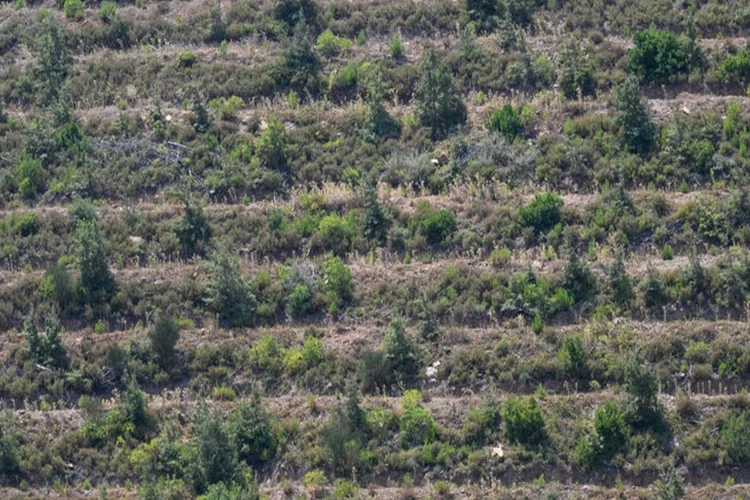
x: 299, y: 301
x: 97, y: 282
x: 524, y: 422
x: 417, y: 425
x: 653, y: 289
x: 271, y: 147
x: 337, y: 233
x: 227, y: 292
x: 293, y: 11
x: 57, y: 286
x: 575, y: 356
x: 29, y: 176
x: 659, y: 55
x: 345, y: 433
x: 670, y: 484
x: 375, y: 372
x: 82, y: 210
x: 108, y: 11
x: 339, y: 284
x: 736, y: 68
x: 619, y: 284
x: 610, y: 426
x: 401, y: 352
x: 214, y: 455
x: 251, y: 433
x: 438, y: 226
x: 202, y: 120
x: 576, y: 73
x: 506, y: 121
x: 544, y: 212
x: 395, y: 47
x: 164, y: 336
x: 74, y: 9
x: 46, y: 349
x: 635, y: 120
x: 187, y: 59
x: 10, y: 462
x: 192, y: 230
x: 227, y: 107
x: 331, y: 45
x: 439, y: 105
x: 735, y: 436
x: 376, y: 220
x: 301, y: 65
x: 217, y: 27
x: 642, y: 385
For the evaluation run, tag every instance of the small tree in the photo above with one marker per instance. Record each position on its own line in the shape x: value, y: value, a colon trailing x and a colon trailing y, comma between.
x: 575, y: 354
x: 401, y: 352
x: 670, y: 485
x: 227, y: 292
x: 376, y: 218
x: 735, y: 436
x: 53, y: 60
x: 97, y: 282
x: 164, y: 336
x: 215, y: 457
x: 619, y: 284
x: 379, y: 124
x: 251, y: 432
x: 635, y: 120
x: 439, y: 105
x: 339, y: 284
x: 576, y: 76
x: 524, y: 422
x: 192, y: 230
x: 46, y: 349
x: 506, y: 121
x: 271, y: 148
x: 609, y: 424
x: 643, y: 386
x: 544, y: 212
x: 577, y: 278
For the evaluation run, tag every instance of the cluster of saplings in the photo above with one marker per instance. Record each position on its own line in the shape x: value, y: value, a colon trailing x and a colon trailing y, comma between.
x: 57, y: 157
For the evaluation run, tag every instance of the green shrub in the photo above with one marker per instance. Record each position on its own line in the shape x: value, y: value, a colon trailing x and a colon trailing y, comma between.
x: 299, y: 301
x: 524, y: 422
x: 438, y: 102
x: 635, y: 119
x: 46, y: 349
x: 666, y: 252
x: 401, y: 352
x: 544, y: 212
x: 339, y: 286
x: 337, y: 233
x: 187, y: 59
x: 57, y: 286
x: 107, y: 11
x: 9, y: 459
x: 214, y: 455
x: 642, y: 385
x: 375, y: 372
x: 660, y: 55
x: 505, y: 121
x: 576, y: 72
x: 575, y: 356
x: 735, y: 436
x: 416, y: 425
x: 29, y: 177
x: 227, y: 292
x: 331, y: 45
x: 97, y: 282
x: 438, y: 226
x: 610, y: 426
x: 223, y: 393
x: 251, y: 433
x: 736, y: 68
x: 271, y: 148
x: 164, y: 336
x: 265, y: 355
x: 193, y: 231
x: 227, y: 108
x: 74, y: 9
x: 395, y: 47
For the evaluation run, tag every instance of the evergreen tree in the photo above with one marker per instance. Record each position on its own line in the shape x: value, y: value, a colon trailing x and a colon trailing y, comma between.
x: 439, y: 105
x: 53, y: 60
x: 214, y: 452
x: 400, y: 351
x: 379, y: 124
x: 97, y: 282
x: 164, y: 336
x: 227, y: 292
x: 376, y: 218
x: 619, y: 283
x: 193, y: 230
x: 576, y: 71
x: 301, y: 63
x: 635, y: 120
x: 252, y: 435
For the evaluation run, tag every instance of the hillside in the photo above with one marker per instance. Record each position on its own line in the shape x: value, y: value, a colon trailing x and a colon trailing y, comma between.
x: 409, y: 249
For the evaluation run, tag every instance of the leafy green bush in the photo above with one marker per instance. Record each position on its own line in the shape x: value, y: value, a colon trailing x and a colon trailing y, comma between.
x: 635, y: 119
x: 193, y: 231
x: 438, y: 226
x: 575, y: 356
x: 339, y: 284
x: 395, y: 47
x: 544, y: 212
x: 331, y: 45
x: 735, y: 436
x: 97, y: 282
x: 506, y: 121
x: 337, y: 233
x: 46, y: 349
x: 736, y: 68
x: 417, y: 426
x: 439, y: 105
x: 524, y: 422
x: 227, y: 292
x: 214, y: 455
x: 299, y: 301
x: 576, y: 71
x: 187, y: 59
x: 57, y: 286
x: 164, y: 336
x: 401, y: 352
x: 610, y: 426
x: 251, y: 433
x: 29, y: 177
x: 271, y: 148
x: 74, y: 9
x: 107, y: 11
x: 661, y: 55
